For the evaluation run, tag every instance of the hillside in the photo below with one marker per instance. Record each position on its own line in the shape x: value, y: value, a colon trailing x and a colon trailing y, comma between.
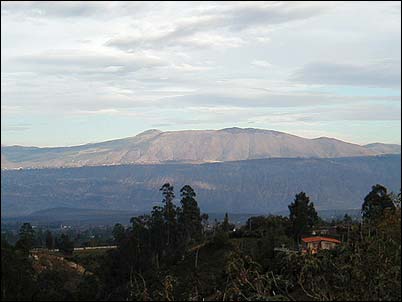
x: 192, y: 146
x: 384, y: 148
x: 75, y: 217
x: 250, y: 186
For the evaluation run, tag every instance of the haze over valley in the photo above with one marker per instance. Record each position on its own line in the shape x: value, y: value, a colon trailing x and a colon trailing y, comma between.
x: 258, y: 186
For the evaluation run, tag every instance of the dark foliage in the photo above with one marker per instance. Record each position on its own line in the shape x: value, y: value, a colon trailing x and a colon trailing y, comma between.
x: 173, y: 254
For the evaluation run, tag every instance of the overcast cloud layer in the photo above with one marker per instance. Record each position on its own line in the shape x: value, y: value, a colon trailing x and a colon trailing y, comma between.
x: 79, y: 72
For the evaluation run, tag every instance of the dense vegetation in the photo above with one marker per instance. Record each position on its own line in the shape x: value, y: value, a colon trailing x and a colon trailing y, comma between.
x: 174, y: 254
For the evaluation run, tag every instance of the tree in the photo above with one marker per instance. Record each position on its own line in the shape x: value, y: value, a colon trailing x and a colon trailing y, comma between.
x: 65, y: 245
x: 51, y: 285
x: 190, y: 216
x: 157, y: 233
x: 169, y: 210
x: 27, y: 235
x: 204, y: 219
x: 49, y: 240
x: 137, y: 248
x: 347, y: 219
x: 246, y: 282
x: 39, y: 238
x: 17, y: 275
x: 375, y: 203
x: 226, y: 225
x: 397, y: 199
x: 302, y: 215
x: 88, y: 288
x: 367, y: 268
x: 118, y: 233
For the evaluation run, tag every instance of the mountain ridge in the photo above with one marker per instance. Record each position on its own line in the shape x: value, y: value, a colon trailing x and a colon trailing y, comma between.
x: 154, y: 146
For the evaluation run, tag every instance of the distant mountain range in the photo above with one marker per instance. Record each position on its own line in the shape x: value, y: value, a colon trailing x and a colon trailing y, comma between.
x: 190, y: 146
x: 258, y: 186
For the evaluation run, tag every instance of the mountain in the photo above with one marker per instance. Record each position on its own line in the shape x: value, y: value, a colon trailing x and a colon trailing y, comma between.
x: 191, y: 146
x: 384, y: 148
x: 249, y: 186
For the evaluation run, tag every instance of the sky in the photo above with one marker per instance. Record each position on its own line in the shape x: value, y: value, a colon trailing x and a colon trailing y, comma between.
x: 81, y: 72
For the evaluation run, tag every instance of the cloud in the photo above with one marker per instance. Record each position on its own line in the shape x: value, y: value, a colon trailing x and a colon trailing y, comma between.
x: 70, y: 9
x: 177, y: 39
x: 354, y: 112
x: 277, y: 117
x: 188, y: 64
x: 261, y: 63
x: 81, y: 62
x: 270, y: 100
x: 383, y: 73
x: 16, y: 127
x: 206, y: 28
x: 190, y: 68
x: 245, y: 15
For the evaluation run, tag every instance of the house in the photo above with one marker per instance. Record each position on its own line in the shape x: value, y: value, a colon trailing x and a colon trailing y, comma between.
x: 312, y: 245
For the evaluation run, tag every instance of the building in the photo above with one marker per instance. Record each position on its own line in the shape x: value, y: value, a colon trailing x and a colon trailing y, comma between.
x: 312, y: 245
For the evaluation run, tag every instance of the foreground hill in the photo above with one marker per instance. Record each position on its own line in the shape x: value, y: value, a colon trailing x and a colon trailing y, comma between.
x: 250, y: 186
x: 195, y: 146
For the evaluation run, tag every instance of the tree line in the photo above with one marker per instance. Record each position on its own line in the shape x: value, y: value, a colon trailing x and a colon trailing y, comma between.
x: 171, y: 255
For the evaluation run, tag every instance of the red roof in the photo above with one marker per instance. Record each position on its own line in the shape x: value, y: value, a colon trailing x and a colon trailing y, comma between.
x: 319, y: 238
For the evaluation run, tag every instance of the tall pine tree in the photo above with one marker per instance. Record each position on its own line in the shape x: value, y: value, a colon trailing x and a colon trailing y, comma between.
x: 190, y: 216
x: 169, y: 211
x: 302, y: 215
